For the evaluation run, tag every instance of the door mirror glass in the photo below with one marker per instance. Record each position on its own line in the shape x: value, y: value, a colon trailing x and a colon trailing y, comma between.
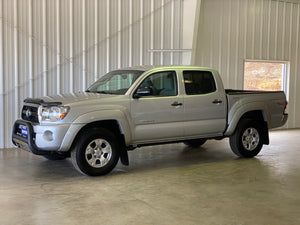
x: 143, y: 91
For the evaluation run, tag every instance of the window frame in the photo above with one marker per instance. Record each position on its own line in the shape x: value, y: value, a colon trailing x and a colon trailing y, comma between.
x: 213, y: 78
x: 285, y: 76
x: 157, y: 96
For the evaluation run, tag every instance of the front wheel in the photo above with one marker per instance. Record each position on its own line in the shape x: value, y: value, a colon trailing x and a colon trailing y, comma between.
x: 246, y: 141
x: 96, y: 152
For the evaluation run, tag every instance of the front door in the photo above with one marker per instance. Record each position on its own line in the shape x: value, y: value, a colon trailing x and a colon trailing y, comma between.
x: 158, y: 116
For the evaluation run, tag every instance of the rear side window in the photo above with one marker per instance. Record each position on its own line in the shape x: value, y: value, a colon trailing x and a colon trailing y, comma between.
x: 199, y: 82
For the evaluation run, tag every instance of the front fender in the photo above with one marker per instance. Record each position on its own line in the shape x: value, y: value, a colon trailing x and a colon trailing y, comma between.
x: 97, y: 116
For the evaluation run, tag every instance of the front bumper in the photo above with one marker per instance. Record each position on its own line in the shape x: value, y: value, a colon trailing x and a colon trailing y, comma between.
x: 23, y: 142
x: 38, y: 139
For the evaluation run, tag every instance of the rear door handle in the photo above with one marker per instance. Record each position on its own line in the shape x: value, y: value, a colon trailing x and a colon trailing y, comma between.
x: 217, y: 101
x: 176, y: 104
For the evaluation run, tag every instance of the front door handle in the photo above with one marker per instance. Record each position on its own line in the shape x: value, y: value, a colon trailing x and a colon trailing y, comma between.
x: 217, y: 101
x: 176, y: 104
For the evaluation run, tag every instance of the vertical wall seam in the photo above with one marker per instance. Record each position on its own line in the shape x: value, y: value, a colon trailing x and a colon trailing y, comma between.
x: 269, y: 31
x: 228, y: 44
x: 162, y: 17
x: 130, y: 34
x: 253, y: 31
x: 261, y: 29
x: 44, y: 27
x: 172, y: 31
x: 141, y: 33
x: 16, y: 57
x: 290, y: 54
x: 151, y: 31
x: 211, y: 47
x: 84, y: 73
x: 119, y: 32
x: 296, y: 66
x: 107, y: 36
x: 71, y: 45
x: 245, y: 30
x: 220, y: 43
x: 283, y: 31
x: 30, y: 49
x: 180, y: 28
x: 2, y: 127
x: 58, y: 63
x: 245, y: 40
x: 96, y: 41
x: 291, y: 31
x: 276, y: 30
x: 237, y: 45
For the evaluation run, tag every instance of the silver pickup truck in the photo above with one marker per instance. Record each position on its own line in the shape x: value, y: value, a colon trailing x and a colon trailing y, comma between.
x: 141, y: 106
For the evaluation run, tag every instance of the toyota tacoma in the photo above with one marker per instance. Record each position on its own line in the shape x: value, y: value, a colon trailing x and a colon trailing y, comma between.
x: 147, y: 105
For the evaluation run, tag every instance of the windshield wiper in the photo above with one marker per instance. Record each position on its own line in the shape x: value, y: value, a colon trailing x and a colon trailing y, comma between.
x: 104, y: 92
x: 100, y: 92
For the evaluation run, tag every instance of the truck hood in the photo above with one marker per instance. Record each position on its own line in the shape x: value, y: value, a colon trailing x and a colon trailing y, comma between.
x: 65, y: 99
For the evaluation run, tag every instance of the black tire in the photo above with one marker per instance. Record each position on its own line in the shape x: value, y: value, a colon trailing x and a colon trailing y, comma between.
x: 195, y: 143
x: 96, y: 152
x: 247, y: 141
x: 55, y: 156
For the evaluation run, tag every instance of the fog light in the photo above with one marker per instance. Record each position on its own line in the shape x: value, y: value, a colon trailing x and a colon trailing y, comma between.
x: 48, y: 135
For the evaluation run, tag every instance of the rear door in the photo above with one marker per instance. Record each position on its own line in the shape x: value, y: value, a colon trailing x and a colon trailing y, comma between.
x: 204, y: 106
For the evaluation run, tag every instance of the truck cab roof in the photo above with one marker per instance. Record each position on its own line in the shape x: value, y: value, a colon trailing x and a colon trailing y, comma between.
x: 149, y: 67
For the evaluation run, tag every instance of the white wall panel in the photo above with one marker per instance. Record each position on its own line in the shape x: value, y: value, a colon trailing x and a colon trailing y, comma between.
x: 56, y: 46
x: 234, y: 30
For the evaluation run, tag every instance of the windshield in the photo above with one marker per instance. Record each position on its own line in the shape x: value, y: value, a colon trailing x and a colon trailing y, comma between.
x: 115, y: 82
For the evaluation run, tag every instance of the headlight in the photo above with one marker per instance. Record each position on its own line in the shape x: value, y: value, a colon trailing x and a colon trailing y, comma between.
x: 52, y: 113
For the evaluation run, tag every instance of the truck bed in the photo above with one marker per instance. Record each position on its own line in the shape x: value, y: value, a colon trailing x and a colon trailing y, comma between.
x: 270, y: 103
x: 240, y: 92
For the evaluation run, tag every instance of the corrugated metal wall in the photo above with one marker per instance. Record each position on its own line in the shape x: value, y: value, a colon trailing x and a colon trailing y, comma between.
x: 56, y: 46
x: 234, y: 30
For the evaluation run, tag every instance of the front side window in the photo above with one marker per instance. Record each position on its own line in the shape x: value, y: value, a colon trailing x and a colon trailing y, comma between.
x: 161, y: 84
x: 198, y: 82
x: 116, y: 82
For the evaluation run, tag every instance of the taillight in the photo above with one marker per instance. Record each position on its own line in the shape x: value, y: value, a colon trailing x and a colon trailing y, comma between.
x: 285, y: 108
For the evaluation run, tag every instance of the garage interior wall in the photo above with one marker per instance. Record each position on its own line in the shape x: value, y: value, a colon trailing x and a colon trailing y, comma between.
x: 51, y: 47
x: 231, y: 31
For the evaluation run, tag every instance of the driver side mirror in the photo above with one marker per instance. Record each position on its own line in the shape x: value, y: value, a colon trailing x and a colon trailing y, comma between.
x: 143, y: 91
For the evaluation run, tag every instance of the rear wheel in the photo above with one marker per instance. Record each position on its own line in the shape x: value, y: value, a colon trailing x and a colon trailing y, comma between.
x: 195, y: 143
x: 247, y: 141
x: 96, y: 152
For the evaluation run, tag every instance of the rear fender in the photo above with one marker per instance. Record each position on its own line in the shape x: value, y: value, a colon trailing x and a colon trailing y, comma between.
x: 239, y: 111
x: 260, y: 117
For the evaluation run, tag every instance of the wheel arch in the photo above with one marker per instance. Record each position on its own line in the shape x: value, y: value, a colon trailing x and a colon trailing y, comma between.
x: 261, y: 118
x: 111, y: 125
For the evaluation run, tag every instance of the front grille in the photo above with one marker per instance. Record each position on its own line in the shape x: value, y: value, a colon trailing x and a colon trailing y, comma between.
x: 30, y: 113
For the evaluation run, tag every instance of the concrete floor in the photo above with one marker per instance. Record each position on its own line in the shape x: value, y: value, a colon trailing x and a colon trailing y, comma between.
x: 169, y: 184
